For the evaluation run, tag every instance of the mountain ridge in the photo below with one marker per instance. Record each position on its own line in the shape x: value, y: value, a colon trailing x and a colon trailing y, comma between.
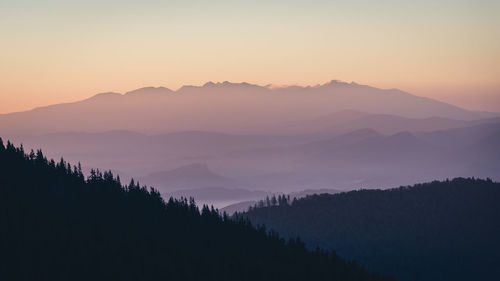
x: 224, y: 107
x: 439, y: 230
x: 226, y: 84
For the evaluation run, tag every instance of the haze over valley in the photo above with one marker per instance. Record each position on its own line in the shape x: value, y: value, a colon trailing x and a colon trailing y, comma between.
x: 232, y: 142
x: 250, y: 140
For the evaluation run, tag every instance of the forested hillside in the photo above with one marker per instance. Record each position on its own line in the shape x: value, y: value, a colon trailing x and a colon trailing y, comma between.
x: 445, y: 230
x: 57, y: 225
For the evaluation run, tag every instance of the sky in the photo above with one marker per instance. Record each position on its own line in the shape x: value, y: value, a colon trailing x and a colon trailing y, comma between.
x: 60, y: 51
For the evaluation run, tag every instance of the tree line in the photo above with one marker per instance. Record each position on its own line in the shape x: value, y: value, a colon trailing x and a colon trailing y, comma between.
x: 57, y: 224
x: 441, y: 230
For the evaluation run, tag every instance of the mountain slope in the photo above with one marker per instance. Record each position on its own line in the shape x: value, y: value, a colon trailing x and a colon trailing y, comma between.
x: 346, y: 121
x: 435, y: 231
x: 365, y: 158
x: 226, y: 107
x: 58, y: 226
x: 286, y: 163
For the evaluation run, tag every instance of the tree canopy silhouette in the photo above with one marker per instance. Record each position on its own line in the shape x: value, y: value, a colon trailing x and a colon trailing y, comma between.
x: 442, y: 230
x: 55, y: 224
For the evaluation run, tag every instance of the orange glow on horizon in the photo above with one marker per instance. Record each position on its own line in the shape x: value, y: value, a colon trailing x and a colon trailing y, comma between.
x: 53, y: 52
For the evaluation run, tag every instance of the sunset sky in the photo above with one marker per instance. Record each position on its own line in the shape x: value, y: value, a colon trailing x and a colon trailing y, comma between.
x: 59, y: 51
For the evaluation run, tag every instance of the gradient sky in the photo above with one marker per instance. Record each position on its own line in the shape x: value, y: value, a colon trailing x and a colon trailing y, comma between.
x: 59, y: 51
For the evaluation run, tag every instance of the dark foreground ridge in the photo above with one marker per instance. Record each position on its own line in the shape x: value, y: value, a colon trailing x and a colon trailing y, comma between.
x: 57, y: 225
x: 446, y: 230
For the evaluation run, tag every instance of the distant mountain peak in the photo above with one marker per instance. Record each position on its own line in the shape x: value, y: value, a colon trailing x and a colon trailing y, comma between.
x: 105, y: 95
x: 229, y: 84
x: 225, y: 107
x: 149, y: 91
x: 209, y: 84
x: 336, y: 82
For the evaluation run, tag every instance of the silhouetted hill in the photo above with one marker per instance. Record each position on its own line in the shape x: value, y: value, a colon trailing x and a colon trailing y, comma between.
x: 57, y: 225
x: 219, y: 197
x: 460, y: 137
x: 350, y: 138
x: 308, y: 192
x: 224, y: 107
x: 349, y: 120
x: 434, y: 231
x: 238, y: 207
x: 287, y: 163
x: 368, y: 159
x: 245, y: 205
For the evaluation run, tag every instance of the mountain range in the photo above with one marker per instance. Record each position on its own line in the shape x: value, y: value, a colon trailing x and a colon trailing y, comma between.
x: 241, y: 139
x: 224, y: 107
